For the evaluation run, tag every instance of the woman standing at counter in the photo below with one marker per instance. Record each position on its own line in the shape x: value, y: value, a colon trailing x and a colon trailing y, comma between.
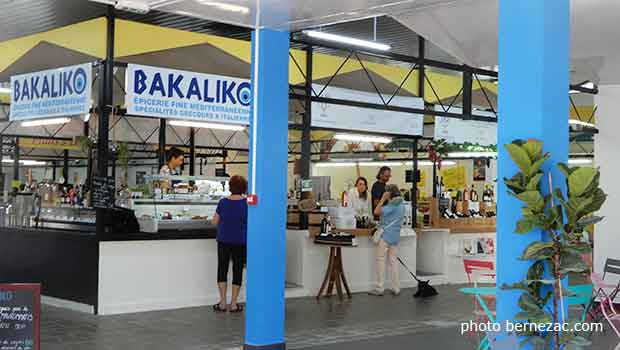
x: 391, y: 210
x: 357, y: 198
x: 231, y: 217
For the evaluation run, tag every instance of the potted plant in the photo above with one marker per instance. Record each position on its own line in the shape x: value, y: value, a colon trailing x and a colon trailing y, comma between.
x: 563, y: 219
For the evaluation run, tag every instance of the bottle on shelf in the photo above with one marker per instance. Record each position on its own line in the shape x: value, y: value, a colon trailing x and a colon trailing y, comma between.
x: 465, y: 194
x: 473, y: 194
x: 324, y: 225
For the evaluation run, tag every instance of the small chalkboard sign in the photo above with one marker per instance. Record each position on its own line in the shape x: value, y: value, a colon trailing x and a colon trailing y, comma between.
x: 103, y: 189
x: 20, y: 316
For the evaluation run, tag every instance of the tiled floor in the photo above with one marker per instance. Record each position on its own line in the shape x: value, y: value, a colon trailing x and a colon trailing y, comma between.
x: 364, y: 322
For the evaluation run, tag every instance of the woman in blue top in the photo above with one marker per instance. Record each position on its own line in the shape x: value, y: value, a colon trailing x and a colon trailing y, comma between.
x: 231, y: 218
x: 392, y: 212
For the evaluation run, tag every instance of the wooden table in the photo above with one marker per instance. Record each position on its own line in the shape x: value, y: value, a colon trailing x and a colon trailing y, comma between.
x: 334, y: 274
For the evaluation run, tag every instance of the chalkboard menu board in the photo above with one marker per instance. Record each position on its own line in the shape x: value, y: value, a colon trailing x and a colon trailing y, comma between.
x: 20, y: 315
x: 103, y: 192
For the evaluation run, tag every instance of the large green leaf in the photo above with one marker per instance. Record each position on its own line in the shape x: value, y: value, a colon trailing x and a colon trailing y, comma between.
x: 534, y: 182
x: 526, y: 224
x: 587, y: 221
x: 536, y: 271
x: 565, y: 169
x: 571, y: 262
x: 554, y: 218
x: 534, y: 149
x: 528, y: 304
x: 519, y: 156
x: 533, y: 199
x: 535, y: 167
x: 580, y: 179
x: 598, y: 198
x: 577, y: 248
x: 538, y: 250
x: 516, y: 183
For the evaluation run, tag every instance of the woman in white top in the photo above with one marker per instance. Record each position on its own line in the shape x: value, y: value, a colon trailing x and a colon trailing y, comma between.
x: 358, y: 199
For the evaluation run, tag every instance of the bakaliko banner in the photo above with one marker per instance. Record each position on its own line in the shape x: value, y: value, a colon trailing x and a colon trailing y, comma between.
x: 176, y: 94
x: 57, y: 92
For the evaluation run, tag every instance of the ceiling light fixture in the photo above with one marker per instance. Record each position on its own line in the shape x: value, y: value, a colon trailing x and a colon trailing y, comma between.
x: 192, y: 124
x: 429, y: 163
x: 362, y: 138
x: 225, y: 7
x: 346, y: 40
x: 572, y: 92
x: 581, y: 123
x: 472, y: 155
x: 580, y: 161
x: 588, y: 85
x: 41, y: 122
x: 4, y: 90
x: 24, y: 162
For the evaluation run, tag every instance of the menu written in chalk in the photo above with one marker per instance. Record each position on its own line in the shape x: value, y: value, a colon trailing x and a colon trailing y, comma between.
x: 20, y: 309
x: 103, y: 192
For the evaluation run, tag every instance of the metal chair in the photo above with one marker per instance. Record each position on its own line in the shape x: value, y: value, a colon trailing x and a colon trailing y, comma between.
x: 606, y: 305
x: 612, y: 267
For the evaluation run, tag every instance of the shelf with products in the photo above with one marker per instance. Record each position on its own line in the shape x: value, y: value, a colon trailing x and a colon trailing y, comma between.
x: 169, y: 203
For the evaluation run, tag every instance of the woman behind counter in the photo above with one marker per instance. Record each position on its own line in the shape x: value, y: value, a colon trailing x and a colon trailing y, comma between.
x: 357, y: 198
x: 231, y: 218
x: 392, y: 212
x: 175, y: 160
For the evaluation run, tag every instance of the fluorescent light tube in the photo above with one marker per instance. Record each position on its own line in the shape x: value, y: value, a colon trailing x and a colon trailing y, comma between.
x: 224, y: 6
x: 335, y: 164
x: 192, y: 124
x: 4, y: 90
x: 362, y: 138
x: 581, y: 123
x: 471, y: 154
x: 346, y: 40
x: 24, y: 162
x: 580, y: 161
x: 40, y: 122
x: 429, y: 163
x: 379, y: 164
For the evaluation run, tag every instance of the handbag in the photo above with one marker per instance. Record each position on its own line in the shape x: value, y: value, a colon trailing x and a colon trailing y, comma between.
x: 376, y: 236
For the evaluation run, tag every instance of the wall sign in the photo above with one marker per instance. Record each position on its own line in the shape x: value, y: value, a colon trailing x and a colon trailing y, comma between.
x: 176, y: 94
x: 454, y: 178
x: 27, y: 142
x: 330, y: 115
x: 459, y: 131
x: 20, y: 316
x: 51, y: 93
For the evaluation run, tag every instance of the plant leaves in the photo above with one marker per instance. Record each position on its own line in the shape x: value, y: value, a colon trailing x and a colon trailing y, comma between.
x: 565, y: 169
x: 534, y: 182
x: 598, y: 198
x: 587, y: 221
x: 580, y: 179
x: 533, y: 199
x: 519, y: 156
x: 536, y: 271
x: 526, y: 224
x: 538, y: 250
x: 534, y: 149
x: 535, y: 167
x: 571, y: 262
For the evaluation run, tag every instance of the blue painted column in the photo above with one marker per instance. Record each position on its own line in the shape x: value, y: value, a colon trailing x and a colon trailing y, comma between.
x: 533, y: 102
x: 268, y: 181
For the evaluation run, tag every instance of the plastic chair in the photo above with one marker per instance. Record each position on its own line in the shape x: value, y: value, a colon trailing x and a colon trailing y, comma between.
x: 606, y: 305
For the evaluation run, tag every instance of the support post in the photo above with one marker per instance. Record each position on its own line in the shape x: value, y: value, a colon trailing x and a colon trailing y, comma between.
x: 306, y: 133
x: 104, y: 109
x: 65, y: 167
x: 268, y: 180
x: 467, y: 87
x: 89, y: 158
x: 414, y: 186
x: 162, y: 143
x: 421, y: 72
x: 192, y: 151
x: 16, y: 160
x: 543, y: 85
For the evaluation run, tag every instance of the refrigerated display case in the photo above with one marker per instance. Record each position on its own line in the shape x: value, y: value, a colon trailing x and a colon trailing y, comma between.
x: 178, y: 203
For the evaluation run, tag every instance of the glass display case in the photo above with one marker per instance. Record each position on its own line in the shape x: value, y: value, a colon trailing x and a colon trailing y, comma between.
x: 62, y: 217
x: 178, y: 203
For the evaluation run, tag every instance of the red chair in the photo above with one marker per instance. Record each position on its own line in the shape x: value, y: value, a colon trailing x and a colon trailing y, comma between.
x: 475, y: 271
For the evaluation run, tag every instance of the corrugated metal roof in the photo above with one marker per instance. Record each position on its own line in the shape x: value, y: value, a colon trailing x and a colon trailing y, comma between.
x: 24, y: 17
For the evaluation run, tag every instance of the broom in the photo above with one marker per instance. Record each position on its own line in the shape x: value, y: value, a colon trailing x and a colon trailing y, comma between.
x: 425, y: 290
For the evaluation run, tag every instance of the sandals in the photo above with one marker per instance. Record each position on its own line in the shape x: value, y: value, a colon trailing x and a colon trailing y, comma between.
x: 238, y: 309
x: 217, y: 308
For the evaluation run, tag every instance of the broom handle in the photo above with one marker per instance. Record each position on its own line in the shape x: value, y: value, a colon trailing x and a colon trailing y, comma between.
x: 406, y: 268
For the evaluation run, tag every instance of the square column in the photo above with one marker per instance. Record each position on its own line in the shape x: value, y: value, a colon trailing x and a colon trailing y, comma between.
x: 533, y: 103
x: 267, y: 171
